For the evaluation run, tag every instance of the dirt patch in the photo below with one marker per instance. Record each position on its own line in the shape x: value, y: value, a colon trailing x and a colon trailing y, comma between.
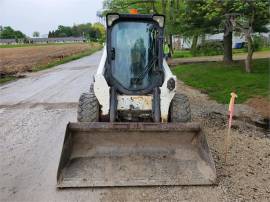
x: 261, y: 105
x: 246, y: 175
x: 21, y: 59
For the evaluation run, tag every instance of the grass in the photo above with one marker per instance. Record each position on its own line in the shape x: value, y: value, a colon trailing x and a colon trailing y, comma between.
x: 182, y: 54
x: 219, y: 79
x: 265, y: 49
x: 7, y: 79
x: 236, y: 51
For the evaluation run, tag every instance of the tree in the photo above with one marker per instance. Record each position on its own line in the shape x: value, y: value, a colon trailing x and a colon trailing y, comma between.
x: 215, y: 13
x: 148, y: 7
x: 36, y: 34
x: 227, y: 41
x: 95, y: 32
x: 195, y: 22
x: 9, y: 33
x: 123, y: 6
x: 253, y: 17
x: 197, y: 18
x: 50, y: 34
x: 99, y: 31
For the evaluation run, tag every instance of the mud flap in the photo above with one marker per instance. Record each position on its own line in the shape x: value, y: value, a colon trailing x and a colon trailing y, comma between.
x: 135, y: 154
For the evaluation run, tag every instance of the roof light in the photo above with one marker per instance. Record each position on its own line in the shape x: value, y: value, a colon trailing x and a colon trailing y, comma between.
x: 160, y: 19
x: 133, y: 11
x: 111, y: 18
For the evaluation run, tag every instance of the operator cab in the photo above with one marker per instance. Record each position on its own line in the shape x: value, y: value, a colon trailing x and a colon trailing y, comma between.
x: 135, y: 54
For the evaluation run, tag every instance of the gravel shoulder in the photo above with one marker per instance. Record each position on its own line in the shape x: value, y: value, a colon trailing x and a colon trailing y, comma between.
x: 34, y: 112
x: 246, y: 174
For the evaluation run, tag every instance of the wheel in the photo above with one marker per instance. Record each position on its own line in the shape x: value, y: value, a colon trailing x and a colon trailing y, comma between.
x: 88, y: 108
x: 180, y: 109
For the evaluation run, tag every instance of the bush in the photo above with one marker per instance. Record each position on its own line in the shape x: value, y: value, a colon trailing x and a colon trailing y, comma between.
x: 209, y: 48
x: 259, y: 42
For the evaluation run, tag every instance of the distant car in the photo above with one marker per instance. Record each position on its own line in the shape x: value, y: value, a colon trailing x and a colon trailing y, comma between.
x: 239, y: 45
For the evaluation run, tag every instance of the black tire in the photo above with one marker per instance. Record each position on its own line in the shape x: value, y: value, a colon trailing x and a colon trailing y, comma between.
x: 88, y: 108
x: 180, y: 109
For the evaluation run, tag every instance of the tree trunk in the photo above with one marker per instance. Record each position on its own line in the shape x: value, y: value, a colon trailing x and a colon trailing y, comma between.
x: 171, y: 44
x: 249, y: 55
x: 154, y: 8
x: 164, y: 4
x: 227, y: 40
x: 203, y: 38
x: 194, y: 42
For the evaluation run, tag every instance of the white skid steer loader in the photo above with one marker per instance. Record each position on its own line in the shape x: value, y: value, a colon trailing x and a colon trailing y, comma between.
x: 133, y: 127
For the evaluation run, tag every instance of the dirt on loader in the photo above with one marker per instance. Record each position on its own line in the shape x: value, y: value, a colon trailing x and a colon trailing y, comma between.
x: 21, y: 59
x: 246, y: 174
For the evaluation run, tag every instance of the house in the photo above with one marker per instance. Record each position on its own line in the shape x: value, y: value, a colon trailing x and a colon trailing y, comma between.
x: 7, y: 41
x: 186, y: 42
x: 44, y: 40
x: 57, y: 40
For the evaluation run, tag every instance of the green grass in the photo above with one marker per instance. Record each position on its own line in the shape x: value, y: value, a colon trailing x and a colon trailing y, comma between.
x: 182, y: 54
x: 236, y: 51
x: 265, y: 49
x: 7, y: 79
x: 219, y: 79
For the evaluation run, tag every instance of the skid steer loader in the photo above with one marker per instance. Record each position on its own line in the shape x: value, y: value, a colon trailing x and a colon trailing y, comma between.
x: 133, y: 127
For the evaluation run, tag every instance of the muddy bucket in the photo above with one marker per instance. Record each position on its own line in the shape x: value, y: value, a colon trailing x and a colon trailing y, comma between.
x: 134, y: 154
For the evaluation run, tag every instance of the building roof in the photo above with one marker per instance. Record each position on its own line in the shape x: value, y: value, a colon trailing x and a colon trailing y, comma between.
x: 7, y: 40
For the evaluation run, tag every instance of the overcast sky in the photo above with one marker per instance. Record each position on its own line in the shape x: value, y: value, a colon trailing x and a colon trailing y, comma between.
x: 44, y: 15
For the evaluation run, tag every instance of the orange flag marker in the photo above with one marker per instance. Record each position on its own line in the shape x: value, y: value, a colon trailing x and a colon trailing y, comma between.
x: 228, y: 136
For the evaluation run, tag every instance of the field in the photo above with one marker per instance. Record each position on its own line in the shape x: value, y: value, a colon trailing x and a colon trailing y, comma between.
x: 32, y: 58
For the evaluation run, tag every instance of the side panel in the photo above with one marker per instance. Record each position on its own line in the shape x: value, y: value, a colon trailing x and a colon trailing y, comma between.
x: 166, y: 95
x: 101, y: 88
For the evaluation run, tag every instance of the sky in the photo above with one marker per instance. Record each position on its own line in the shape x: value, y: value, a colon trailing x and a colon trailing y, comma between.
x: 44, y: 15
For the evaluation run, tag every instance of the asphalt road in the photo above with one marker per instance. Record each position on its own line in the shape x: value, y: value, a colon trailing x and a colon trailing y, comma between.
x: 34, y: 112
x: 33, y: 115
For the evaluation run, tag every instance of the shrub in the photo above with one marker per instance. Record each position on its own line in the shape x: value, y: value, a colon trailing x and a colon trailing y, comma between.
x: 209, y: 48
x: 259, y: 42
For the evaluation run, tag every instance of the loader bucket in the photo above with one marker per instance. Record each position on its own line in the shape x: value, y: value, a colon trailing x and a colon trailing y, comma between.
x: 134, y: 154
